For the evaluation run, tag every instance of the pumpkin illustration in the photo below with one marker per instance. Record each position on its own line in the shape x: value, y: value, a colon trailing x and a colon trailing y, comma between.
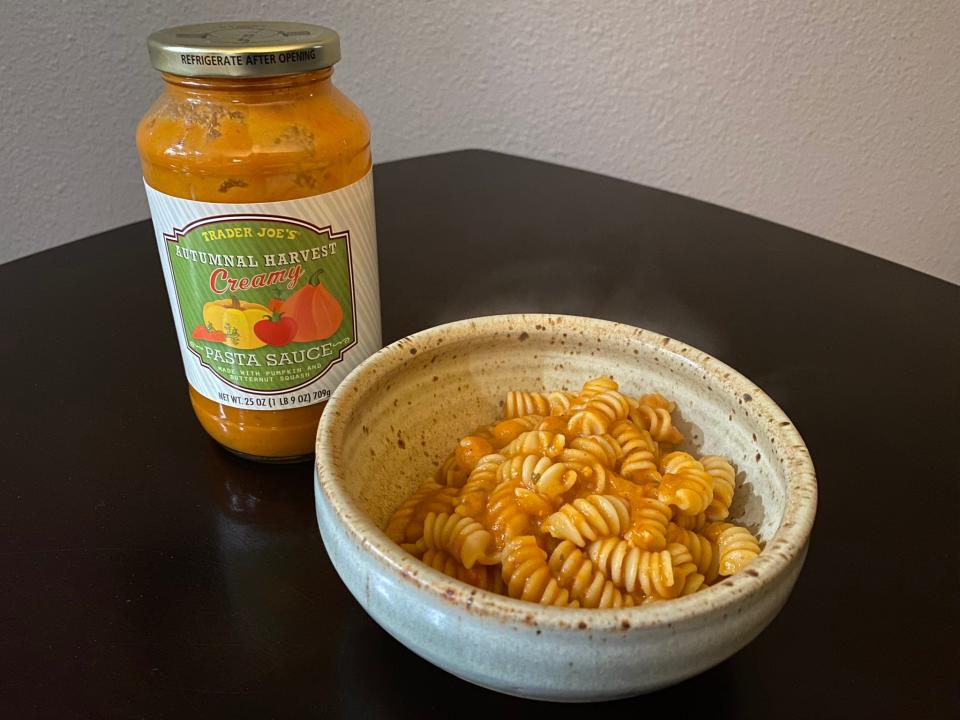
x: 235, y: 319
x: 317, y: 313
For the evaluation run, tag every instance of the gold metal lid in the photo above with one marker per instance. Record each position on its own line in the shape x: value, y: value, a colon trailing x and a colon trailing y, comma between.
x: 243, y: 49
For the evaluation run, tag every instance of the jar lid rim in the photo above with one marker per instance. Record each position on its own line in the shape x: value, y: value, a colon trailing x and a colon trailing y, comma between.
x: 245, y: 48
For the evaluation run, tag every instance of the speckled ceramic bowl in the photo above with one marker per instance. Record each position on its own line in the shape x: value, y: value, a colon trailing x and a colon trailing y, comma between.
x: 397, y: 415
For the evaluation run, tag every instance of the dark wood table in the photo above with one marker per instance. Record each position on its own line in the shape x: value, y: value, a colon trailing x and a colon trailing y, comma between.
x: 148, y: 573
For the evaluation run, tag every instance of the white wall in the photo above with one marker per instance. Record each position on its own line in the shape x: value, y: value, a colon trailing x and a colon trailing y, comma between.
x: 838, y: 118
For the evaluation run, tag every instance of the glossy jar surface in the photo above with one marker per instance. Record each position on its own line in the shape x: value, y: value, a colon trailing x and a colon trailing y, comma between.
x: 254, y: 140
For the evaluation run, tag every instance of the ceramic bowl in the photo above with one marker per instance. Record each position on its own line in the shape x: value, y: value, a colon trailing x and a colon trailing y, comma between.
x: 393, y: 420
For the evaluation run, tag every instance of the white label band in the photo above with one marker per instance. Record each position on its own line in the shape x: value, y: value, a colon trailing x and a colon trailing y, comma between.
x: 274, y: 303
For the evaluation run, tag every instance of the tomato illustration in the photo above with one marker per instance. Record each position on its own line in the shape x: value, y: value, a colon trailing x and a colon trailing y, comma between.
x: 275, y: 329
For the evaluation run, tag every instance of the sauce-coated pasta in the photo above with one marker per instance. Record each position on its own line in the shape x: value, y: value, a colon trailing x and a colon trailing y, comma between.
x: 578, y: 500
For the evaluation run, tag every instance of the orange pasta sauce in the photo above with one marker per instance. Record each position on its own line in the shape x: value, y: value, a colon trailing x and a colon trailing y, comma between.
x: 249, y: 140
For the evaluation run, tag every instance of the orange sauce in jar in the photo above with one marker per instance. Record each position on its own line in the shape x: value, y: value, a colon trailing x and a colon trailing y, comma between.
x: 242, y: 142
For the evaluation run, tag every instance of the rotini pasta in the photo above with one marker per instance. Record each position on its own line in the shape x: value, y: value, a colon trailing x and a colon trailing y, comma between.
x: 654, y: 416
x: 578, y: 500
x: 507, y: 431
x: 521, y: 403
x: 640, y: 452
x: 599, y: 412
x: 469, y: 451
x: 539, y: 473
x: 587, y: 584
x: 701, y: 550
x: 685, y: 484
x: 462, y: 537
x: 406, y: 525
x: 536, y: 441
x: 597, y: 386
x: 736, y: 547
x: 485, y: 577
x: 604, y: 448
x: 527, y: 575
x: 724, y: 482
x: 482, y: 480
x: 588, y: 518
x: 505, y: 516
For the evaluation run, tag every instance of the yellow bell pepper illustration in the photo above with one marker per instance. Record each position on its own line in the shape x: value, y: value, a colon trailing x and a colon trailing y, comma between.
x: 235, y: 319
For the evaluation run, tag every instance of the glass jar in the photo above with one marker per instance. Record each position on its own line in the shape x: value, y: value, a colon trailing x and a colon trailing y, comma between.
x: 258, y: 174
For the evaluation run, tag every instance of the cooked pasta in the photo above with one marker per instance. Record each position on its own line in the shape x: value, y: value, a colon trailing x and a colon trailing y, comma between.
x: 407, y: 522
x: 536, y: 441
x: 653, y: 415
x: 527, y: 575
x: 520, y: 403
x: 506, y: 431
x: 539, y: 473
x: 685, y: 484
x: 578, y: 500
x: 505, y: 516
x: 587, y: 584
x: 701, y: 550
x: 589, y: 518
x: 648, y: 523
x: 724, y: 482
x: 485, y: 577
x: 480, y: 483
x: 662, y: 574
x: 463, y: 537
x: 735, y: 546
x: 640, y: 452
x: 469, y: 451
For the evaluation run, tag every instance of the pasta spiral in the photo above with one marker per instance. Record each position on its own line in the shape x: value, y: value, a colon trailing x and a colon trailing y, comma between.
x: 596, y: 386
x: 588, y: 518
x: 604, y: 448
x: 482, y: 480
x: 505, y: 516
x: 406, y: 524
x: 685, y: 484
x: 599, y: 413
x: 469, y: 451
x: 485, y: 577
x: 724, y: 482
x: 654, y: 416
x: 533, y: 503
x: 648, y: 523
x: 527, y: 575
x: 450, y: 473
x: 701, y: 550
x: 691, y: 522
x: 539, y: 473
x: 591, y: 471
x: 640, y: 452
x: 536, y: 441
x: 506, y: 431
x: 736, y: 547
x: 587, y: 584
x: 578, y: 500
x: 521, y: 403
x: 462, y: 537
x: 661, y: 574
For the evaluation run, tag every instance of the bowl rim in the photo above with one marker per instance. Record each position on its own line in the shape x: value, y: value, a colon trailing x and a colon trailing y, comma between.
x: 788, y: 542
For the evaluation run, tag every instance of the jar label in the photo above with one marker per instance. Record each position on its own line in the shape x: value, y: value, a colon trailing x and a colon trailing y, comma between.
x: 274, y: 303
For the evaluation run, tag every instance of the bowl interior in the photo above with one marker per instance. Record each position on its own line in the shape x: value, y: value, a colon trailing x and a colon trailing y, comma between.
x: 425, y: 392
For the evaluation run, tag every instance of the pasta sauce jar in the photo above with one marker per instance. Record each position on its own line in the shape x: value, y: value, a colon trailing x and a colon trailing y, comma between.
x: 257, y: 172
